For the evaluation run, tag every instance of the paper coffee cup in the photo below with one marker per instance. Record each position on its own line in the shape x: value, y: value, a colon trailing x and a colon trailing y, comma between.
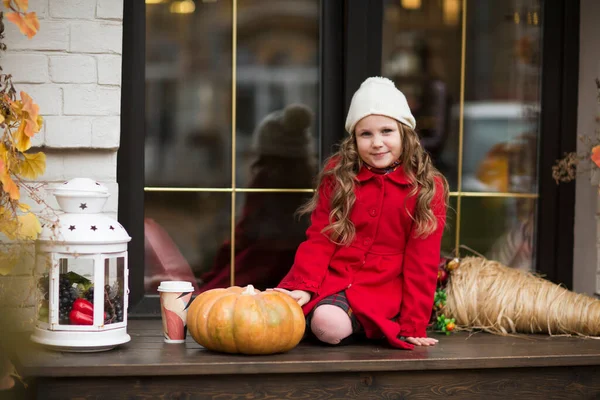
x: 175, y: 298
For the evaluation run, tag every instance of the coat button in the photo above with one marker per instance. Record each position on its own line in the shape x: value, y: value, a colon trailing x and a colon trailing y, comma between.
x: 373, y: 212
x: 367, y: 241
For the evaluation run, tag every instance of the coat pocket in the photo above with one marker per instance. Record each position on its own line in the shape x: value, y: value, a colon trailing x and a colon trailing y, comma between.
x: 390, y: 265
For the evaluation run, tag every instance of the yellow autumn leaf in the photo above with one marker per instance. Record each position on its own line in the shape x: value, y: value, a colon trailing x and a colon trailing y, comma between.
x: 6, y: 3
x: 22, y: 4
x: 33, y: 165
x: 3, y: 152
x: 22, y: 140
x: 28, y: 25
x: 16, y: 106
x: 30, y: 115
x: 8, y: 224
x: 9, y: 186
x: 24, y: 207
x: 29, y: 227
x: 8, y: 260
x: 1, y: 119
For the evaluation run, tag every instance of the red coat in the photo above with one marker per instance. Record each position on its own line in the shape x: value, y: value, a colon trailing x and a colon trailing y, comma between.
x: 386, y: 271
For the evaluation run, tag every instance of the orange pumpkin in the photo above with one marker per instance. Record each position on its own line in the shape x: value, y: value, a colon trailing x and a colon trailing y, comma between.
x: 247, y: 321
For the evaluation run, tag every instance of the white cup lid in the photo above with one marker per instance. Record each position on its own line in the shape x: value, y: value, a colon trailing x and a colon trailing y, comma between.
x: 175, y: 286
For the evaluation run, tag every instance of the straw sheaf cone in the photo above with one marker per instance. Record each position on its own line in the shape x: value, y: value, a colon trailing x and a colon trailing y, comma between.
x: 486, y: 295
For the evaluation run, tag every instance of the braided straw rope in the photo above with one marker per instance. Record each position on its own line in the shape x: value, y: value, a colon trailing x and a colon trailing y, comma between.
x: 486, y: 295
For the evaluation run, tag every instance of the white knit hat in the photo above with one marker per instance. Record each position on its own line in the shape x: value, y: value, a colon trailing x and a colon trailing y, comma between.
x: 379, y: 96
x: 285, y: 133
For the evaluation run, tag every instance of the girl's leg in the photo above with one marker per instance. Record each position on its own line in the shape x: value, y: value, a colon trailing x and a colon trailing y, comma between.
x: 330, y: 324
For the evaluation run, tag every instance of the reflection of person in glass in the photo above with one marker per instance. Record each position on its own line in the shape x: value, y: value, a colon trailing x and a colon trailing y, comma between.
x: 268, y: 232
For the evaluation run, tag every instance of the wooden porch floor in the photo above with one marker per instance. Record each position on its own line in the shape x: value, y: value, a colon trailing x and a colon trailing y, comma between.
x: 461, y: 365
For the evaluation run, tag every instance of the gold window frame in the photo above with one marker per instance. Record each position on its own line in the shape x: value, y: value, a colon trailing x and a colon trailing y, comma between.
x: 233, y: 190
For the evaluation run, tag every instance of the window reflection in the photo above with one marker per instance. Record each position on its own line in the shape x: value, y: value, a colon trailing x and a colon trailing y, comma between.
x: 268, y: 233
x: 422, y: 53
x: 189, y: 118
x: 188, y: 95
x: 502, y: 89
x: 266, y: 238
x: 501, y: 229
x: 182, y: 235
x: 277, y: 66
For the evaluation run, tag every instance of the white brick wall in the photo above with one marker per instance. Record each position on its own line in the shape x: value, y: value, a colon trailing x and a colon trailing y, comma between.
x: 72, y: 69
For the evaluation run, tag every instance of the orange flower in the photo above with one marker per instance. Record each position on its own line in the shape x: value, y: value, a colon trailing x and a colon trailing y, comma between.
x: 28, y: 24
x: 596, y: 155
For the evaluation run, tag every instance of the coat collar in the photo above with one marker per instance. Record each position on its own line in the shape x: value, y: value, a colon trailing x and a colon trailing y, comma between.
x: 398, y: 176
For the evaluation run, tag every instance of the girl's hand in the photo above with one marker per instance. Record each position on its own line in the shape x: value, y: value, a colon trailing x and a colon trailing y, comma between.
x: 300, y: 296
x: 424, y: 341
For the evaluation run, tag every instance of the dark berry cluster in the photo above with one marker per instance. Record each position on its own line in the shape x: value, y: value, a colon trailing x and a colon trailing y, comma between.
x: 66, y: 296
x: 89, y: 295
x: 113, y: 306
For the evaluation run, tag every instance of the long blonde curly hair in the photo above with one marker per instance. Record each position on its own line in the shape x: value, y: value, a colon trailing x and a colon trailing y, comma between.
x: 342, y: 168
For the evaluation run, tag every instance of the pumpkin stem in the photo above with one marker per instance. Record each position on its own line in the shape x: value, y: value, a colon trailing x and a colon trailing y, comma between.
x: 249, y: 290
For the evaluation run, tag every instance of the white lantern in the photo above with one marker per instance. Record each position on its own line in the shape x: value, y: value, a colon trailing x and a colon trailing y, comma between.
x: 82, y: 274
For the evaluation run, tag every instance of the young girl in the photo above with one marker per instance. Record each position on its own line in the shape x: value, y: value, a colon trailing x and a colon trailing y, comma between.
x: 369, y: 264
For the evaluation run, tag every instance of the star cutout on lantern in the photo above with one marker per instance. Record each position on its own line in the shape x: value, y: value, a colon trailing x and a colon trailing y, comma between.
x: 94, y: 228
x: 83, y: 206
x: 71, y: 227
x: 112, y: 228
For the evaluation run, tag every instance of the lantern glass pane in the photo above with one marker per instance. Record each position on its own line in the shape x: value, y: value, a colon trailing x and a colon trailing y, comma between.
x: 43, y: 263
x: 114, y: 279
x: 76, y: 281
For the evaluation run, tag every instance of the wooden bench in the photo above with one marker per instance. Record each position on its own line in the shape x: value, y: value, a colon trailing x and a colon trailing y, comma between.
x: 464, y: 366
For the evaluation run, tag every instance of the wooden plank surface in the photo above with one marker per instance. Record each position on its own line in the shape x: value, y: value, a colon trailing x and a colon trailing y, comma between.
x: 517, y: 383
x: 148, y: 355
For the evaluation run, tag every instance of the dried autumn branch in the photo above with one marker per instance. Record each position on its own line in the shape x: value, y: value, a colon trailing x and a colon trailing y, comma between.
x: 566, y: 168
x: 20, y: 121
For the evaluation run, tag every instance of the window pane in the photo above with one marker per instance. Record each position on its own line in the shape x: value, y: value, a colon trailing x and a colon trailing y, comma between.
x: 277, y: 67
x: 421, y: 54
x: 43, y: 264
x: 188, y: 95
x: 501, y: 229
x: 449, y: 238
x: 185, y: 236
x: 76, y: 277
x: 502, y: 96
x: 267, y: 235
x: 114, y: 301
